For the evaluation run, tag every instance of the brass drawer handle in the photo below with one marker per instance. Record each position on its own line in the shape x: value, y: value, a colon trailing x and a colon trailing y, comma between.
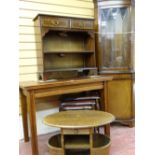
x: 54, y: 22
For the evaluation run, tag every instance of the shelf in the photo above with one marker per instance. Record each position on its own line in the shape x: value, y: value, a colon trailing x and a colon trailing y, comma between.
x: 69, y: 52
x: 77, y: 152
x: 79, y: 145
x: 71, y: 69
x: 77, y: 142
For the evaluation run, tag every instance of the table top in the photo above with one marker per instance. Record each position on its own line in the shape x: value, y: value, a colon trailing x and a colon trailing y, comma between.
x: 78, y: 119
x: 32, y: 85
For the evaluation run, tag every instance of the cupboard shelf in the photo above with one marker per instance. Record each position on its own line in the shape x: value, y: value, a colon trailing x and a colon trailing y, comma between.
x: 70, y: 69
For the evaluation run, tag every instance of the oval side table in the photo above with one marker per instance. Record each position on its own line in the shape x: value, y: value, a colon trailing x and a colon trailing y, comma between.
x: 77, y: 135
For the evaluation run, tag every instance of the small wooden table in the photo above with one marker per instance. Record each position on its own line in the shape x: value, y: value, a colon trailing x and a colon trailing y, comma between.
x: 77, y: 124
x: 30, y: 91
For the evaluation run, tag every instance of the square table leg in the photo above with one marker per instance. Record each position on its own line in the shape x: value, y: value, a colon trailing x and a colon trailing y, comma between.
x: 24, y: 116
x: 104, y: 106
x: 33, y: 127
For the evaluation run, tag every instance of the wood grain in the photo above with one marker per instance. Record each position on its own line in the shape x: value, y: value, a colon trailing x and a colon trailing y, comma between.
x: 33, y: 125
x: 24, y: 116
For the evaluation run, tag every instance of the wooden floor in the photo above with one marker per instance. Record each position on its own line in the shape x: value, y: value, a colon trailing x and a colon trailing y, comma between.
x: 123, y: 142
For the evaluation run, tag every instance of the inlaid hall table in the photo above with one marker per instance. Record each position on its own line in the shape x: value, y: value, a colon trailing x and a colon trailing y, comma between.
x: 77, y: 132
x: 30, y: 91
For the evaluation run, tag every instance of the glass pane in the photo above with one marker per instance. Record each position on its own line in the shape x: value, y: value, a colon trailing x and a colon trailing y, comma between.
x: 115, y: 37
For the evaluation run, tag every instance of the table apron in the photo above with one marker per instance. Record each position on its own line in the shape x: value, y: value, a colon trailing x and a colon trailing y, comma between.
x: 60, y: 90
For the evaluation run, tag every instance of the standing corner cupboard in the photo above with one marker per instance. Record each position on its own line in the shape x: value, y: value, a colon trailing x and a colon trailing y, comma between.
x: 114, y: 26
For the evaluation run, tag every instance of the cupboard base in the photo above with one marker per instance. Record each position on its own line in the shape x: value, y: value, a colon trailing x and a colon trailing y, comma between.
x: 129, y: 123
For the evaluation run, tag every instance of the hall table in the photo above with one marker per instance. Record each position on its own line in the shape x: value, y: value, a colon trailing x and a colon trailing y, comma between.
x: 30, y: 91
x: 77, y: 132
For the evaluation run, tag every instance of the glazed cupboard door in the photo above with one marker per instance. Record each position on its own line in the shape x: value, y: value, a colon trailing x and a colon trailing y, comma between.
x: 114, y: 37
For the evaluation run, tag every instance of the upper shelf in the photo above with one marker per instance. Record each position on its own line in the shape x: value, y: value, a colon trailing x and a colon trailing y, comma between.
x: 67, y: 42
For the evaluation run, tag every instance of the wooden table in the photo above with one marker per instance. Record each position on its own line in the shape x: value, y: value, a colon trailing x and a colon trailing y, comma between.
x: 78, y: 123
x: 30, y: 91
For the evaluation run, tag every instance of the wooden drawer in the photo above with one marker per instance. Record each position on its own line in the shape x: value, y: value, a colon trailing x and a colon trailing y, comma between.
x: 82, y: 24
x: 55, y: 22
x: 76, y: 131
x: 77, y: 24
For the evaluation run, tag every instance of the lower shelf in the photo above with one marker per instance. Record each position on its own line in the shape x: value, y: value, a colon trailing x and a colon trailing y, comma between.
x: 76, y: 141
x: 101, y: 145
x: 77, y: 152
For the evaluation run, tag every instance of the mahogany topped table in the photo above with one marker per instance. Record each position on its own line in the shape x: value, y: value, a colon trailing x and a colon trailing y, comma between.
x: 30, y: 91
x: 77, y: 131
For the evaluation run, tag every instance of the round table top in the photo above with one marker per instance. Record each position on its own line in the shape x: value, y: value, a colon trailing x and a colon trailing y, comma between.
x: 78, y: 119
